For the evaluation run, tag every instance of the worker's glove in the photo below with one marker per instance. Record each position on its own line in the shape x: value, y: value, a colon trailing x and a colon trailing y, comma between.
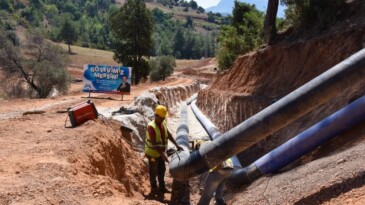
x: 165, y: 157
x: 170, y: 151
x: 179, y: 148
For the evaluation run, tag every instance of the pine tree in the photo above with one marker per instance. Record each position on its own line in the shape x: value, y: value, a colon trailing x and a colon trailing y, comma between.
x: 132, y: 28
x: 68, y: 33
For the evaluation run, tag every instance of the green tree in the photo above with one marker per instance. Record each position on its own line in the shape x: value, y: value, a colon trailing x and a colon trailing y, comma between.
x: 193, y: 4
x: 91, y: 8
x: 43, y: 69
x: 164, y: 47
x: 313, y: 13
x: 211, y: 17
x: 187, y: 50
x: 36, y: 3
x: 179, y: 42
x: 51, y: 12
x: 132, y: 28
x: 68, y: 33
x: 189, y: 22
x: 198, y: 47
x: 4, y: 4
x: 244, y: 34
x: 161, y: 67
x: 229, y: 47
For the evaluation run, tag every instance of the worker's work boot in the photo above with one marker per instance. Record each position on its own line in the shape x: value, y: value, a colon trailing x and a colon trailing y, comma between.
x: 154, y: 190
x: 220, y: 202
x: 163, y: 189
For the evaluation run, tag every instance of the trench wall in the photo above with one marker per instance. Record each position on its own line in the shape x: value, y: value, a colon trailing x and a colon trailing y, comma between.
x: 260, y: 78
x: 144, y: 105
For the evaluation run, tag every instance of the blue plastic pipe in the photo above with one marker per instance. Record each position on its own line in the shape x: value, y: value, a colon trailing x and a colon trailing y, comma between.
x: 303, y: 143
x: 348, y: 73
x: 313, y: 137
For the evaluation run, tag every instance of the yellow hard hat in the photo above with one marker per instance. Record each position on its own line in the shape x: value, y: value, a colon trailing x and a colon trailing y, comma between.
x: 197, y: 144
x: 161, y: 111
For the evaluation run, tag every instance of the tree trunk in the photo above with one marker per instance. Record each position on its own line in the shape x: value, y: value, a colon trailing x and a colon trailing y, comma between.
x: 69, y: 48
x: 26, y: 76
x: 136, y: 72
x: 270, y: 21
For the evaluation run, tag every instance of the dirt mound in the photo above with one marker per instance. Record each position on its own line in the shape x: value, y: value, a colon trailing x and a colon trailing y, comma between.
x: 42, y: 162
x: 58, y: 165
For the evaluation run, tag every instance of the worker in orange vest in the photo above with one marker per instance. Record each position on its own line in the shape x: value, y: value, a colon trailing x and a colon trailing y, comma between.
x: 157, y: 137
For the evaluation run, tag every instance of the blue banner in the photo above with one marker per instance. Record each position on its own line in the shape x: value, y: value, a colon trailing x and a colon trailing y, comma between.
x: 107, y: 79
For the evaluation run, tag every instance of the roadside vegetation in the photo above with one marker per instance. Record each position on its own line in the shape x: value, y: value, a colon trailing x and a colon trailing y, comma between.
x: 176, y: 28
x: 32, y: 68
x: 161, y: 67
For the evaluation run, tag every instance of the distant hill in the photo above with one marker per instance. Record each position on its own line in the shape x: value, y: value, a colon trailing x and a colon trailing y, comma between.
x: 226, y: 6
x: 197, y: 31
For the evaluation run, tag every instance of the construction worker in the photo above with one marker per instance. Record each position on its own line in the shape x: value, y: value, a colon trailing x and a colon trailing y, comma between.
x: 157, y: 137
x: 215, y: 180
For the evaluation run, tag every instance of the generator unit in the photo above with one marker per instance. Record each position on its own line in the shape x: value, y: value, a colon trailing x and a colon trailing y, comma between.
x: 82, y: 112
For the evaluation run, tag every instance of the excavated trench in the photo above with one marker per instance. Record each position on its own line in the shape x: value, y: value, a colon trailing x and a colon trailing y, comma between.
x: 117, y: 152
x: 255, y: 81
x: 260, y: 78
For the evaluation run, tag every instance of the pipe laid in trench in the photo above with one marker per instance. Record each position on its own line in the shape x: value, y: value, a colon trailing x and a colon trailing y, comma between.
x: 212, y: 130
x: 182, y: 132
x: 303, y: 143
x: 316, y: 92
x: 182, y: 139
x: 191, y: 99
x: 180, y: 188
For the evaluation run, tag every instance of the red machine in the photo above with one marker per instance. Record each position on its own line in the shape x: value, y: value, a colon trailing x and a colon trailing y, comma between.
x: 82, y: 112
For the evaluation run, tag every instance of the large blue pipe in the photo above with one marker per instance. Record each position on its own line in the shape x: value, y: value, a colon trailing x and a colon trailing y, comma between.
x: 348, y: 73
x: 303, y: 143
x: 313, y: 137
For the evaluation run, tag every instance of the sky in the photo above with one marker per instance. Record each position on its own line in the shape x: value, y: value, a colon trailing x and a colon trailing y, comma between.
x: 260, y: 5
x: 207, y: 3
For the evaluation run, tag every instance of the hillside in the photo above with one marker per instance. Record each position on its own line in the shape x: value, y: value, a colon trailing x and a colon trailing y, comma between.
x: 90, y: 24
x: 200, y: 19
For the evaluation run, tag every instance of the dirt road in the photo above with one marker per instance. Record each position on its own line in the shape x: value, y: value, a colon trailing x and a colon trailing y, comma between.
x: 42, y: 162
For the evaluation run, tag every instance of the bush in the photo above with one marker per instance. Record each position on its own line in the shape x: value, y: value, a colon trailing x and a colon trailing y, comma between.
x: 14, y: 89
x: 161, y: 67
x: 314, y: 13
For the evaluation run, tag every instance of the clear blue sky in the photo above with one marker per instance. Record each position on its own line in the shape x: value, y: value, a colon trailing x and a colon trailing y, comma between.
x: 209, y: 3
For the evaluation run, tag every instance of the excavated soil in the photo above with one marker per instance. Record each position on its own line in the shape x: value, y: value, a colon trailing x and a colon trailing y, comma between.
x: 42, y: 162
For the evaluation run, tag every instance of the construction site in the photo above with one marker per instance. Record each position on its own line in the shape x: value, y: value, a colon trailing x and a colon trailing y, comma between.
x: 290, y: 115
